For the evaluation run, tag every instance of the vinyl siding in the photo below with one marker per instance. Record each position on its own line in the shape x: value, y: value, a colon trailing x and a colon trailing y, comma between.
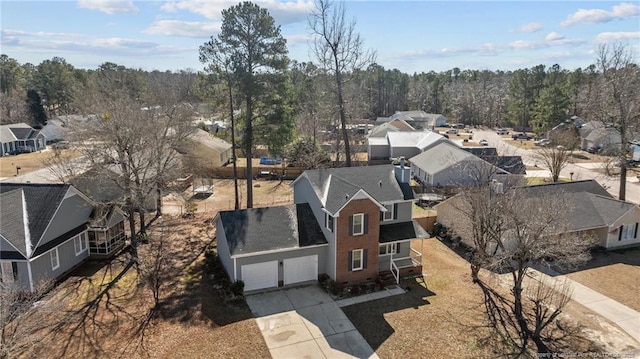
x: 404, y: 213
x: 629, y: 219
x: 41, y: 266
x: 303, y: 193
x: 223, y: 249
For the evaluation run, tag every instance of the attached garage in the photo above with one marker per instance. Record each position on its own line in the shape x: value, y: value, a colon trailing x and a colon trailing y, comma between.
x: 260, y: 275
x: 301, y: 269
x: 259, y: 247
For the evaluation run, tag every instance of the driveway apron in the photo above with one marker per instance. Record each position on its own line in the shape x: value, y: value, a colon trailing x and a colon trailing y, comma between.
x: 306, y: 322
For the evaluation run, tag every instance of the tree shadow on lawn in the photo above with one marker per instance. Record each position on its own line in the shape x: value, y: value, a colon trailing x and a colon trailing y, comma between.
x: 192, y: 295
x: 369, y: 317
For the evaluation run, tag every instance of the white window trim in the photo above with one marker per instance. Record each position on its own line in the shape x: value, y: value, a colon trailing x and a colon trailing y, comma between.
x: 628, y: 230
x: 80, y: 241
x: 353, y: 229
x: 353, y: 259
x: 389, y: 249
x: 57, y: 258
x: 329, y: 219
x: 389, y: 212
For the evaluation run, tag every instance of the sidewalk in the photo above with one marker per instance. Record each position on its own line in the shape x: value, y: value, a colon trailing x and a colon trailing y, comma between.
x: 624, y: 317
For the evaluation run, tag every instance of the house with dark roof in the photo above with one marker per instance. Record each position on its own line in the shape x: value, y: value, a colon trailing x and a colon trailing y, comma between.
x: 19, y: 137
x: 46, y: 230
x: 351, y: 224
x: 591, y: 210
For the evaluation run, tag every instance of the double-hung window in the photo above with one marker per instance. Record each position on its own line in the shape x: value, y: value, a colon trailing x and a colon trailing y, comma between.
x: 628, y: 232
x: 388, y: 215
x: 55, y: 263
x: 358, y: 224
x: 356, y: 259
x: 79, y: 244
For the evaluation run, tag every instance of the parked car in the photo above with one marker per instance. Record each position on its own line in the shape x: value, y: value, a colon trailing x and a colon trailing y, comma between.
x: 594, y: 149
x: 542, y: 142
x: 484, y: 143
x: 502, y: 131
x: 452, y: 131
x: 521, y: 136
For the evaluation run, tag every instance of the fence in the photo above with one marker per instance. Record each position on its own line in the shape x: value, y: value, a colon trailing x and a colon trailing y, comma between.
x: 426, y: 222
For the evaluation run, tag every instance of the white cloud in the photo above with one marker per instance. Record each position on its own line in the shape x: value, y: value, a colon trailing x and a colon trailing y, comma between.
x: 283, y: 12
x: 615, y: 36
x: 530, y: 27
x: 297, y: 39
x: 525, y: 45
x: 554, y: 36
x: 183, y: 28
x: 109, y: 6
x: 594, y: 16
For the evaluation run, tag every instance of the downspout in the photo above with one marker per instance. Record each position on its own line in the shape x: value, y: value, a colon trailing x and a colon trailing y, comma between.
x: 235, y: 270
x: 30, y: 276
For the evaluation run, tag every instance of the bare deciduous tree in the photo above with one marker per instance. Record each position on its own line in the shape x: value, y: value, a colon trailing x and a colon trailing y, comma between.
x: 511, y: 233
x: 557, y: 154
x: 340, y: 50
x: 619, y: 98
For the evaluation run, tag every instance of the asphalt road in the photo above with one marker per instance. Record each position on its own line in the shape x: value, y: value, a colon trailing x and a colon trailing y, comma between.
x: 581, y: 171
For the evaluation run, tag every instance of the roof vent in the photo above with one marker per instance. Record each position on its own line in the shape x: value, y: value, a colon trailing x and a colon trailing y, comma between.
x: 346, y: 196
x: 379, y: 183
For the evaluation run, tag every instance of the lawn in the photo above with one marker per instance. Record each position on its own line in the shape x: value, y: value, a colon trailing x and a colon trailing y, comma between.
x: 104, y: 311
x: 442, y: 316
x: 614, y: 274
x: 29, y: 162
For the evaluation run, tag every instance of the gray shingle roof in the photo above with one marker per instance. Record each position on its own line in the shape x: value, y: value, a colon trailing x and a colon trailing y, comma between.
x: 258, y: 230
x: 342, y: 183
x: 41, y: 201
x: 588, y: 186
x: 401, y: 231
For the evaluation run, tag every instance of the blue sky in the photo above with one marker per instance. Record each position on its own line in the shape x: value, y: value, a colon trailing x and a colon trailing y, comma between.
x: 412, y: 36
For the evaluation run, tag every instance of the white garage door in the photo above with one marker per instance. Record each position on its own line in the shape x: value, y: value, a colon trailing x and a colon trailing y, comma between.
x: 300, y: 269
x: 260, y: 275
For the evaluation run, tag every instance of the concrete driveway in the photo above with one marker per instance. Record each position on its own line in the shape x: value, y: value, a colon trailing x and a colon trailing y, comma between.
x: 305, y: 322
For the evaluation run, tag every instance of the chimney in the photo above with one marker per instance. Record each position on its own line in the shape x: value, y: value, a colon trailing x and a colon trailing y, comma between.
x: 402, y: 172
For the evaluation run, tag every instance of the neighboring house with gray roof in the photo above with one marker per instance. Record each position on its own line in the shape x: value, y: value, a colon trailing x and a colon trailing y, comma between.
x: 417, y: 119
x: 604, y: 138
x: 396, y: 125
x: 592, y: 210
x: 19, y: 137
x: 350, y: 224
x: 402, y: 144
x: 446, y: 165
x: 46, y: 230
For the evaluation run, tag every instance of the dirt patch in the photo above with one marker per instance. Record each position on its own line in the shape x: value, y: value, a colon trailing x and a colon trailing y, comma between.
x: 265, y: 193
x: 108, y: 311
x: 613, y: 273
x: 29, y: 162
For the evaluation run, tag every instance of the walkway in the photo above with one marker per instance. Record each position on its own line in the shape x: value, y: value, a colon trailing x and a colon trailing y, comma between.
x: 305, y: 322
x: 626, y: 318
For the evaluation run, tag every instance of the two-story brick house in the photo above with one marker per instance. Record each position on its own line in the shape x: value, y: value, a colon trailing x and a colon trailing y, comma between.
x: 348, y: 223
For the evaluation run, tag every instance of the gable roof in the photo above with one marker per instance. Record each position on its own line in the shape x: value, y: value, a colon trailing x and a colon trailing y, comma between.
x: 588, y: 186
x: 16, y: 131
x: 445, y: 155
x: 609, y: 133
x: 205, y: 138
x: 395, y: 125
x: 256, y: 230
x: 27, y: 209
x: 418, y: 139
x: 336, y: 186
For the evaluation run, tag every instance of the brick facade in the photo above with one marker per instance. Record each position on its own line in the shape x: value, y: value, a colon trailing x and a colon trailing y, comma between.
x: 346, y: 242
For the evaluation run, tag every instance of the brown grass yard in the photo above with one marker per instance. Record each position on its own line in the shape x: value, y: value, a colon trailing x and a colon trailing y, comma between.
x: 443, y: 316
x: 615, y: 274
x: 193, y: 321
x: 29, y: 162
